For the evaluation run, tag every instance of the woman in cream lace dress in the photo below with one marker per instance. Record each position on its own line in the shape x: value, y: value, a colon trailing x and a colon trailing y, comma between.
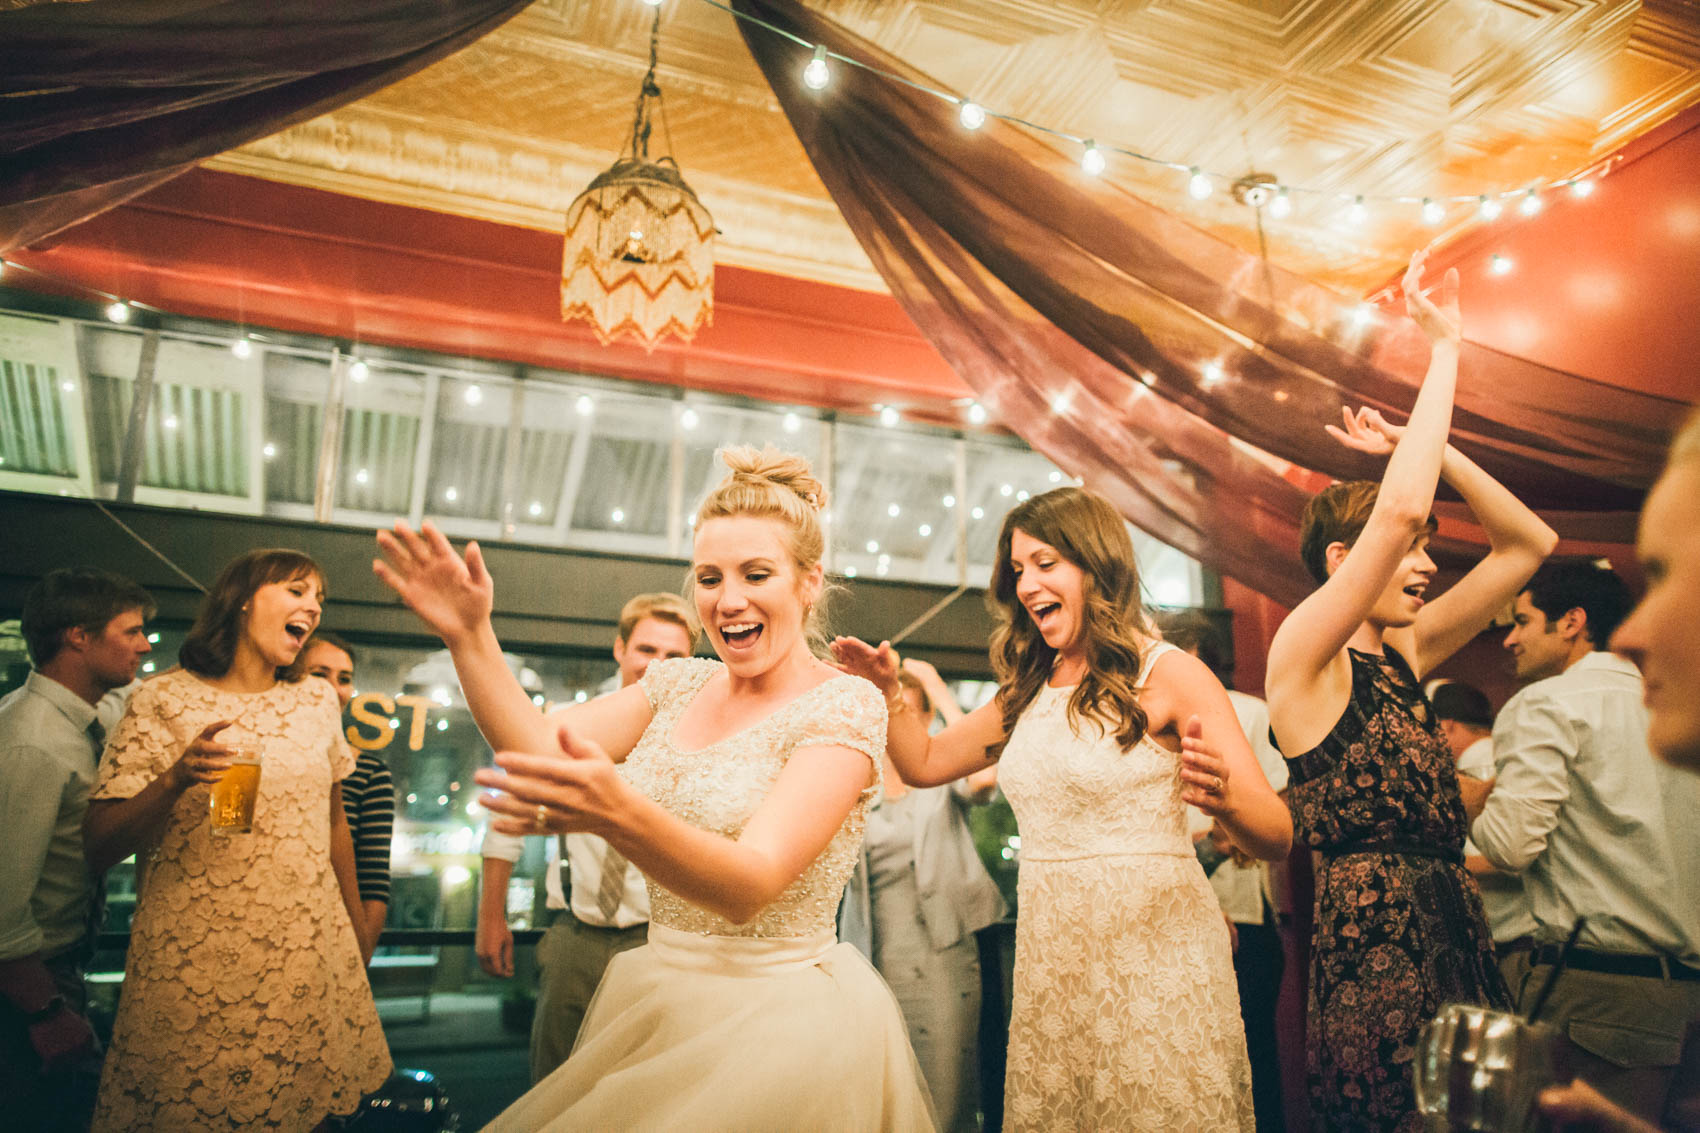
x: 1126, y: 1015
x: 245, y: 1001
x: 743, y: 797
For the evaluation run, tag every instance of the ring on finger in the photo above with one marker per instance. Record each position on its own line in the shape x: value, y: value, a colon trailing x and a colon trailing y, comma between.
x: 1216, y: 785
x: 540, y: 818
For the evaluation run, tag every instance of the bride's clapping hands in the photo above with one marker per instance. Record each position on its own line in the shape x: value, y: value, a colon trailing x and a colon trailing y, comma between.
x: 451, y: 593
x: 546, y: 794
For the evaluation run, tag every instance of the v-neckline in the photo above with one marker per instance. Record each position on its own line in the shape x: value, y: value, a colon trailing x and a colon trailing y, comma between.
x: 673, y: 732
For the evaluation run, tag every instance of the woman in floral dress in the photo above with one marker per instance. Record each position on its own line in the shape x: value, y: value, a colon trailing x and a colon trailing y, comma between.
x: 245, y: 1003
x: 1373, y: 786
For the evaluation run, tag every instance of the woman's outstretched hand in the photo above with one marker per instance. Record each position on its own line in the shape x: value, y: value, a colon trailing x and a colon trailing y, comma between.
x: 1367, y: 431
x: 859, y: 659
x: 1438, y: 316
x: 549, y: 794
x: 451, y: 594
x: 1204, y: 773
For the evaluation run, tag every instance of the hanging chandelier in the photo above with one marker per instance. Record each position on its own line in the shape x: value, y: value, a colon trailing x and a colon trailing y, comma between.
x: 638, y: 259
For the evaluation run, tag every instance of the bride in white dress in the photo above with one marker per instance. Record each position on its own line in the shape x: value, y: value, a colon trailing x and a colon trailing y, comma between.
x: 1126, y: 1015
x: 742, y: 798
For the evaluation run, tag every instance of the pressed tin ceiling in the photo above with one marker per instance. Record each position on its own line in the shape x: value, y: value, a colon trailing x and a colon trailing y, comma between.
x: 1380, y: 97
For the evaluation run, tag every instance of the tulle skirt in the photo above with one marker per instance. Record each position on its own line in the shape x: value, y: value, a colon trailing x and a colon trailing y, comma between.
x: 713, y: 1033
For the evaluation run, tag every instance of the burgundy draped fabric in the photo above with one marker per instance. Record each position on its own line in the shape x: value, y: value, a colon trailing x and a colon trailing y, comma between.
x: 1086, y: 318
x: 101, y: 101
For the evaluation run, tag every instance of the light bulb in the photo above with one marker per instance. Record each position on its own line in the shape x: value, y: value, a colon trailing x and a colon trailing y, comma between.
x: 1499, y: 264
x: 242, y: 348
x: 793, y: 422
x: 1531, y: 204
x: 1433, y: 211
x: 1581, y: 187
x: 888, y: 417
x: 977, y: 413
x: 1489, y: 208
x: 269, y: 450
x: 972, y: 115
x: 1092, y: 159
x: 816, y: 75
x: 362, y: 476
x: 689, y: 419
x: 473, y: 395
x: 873, y: 547
x: 584, y: 406
x: 925, y: 529
x: 359, y: 372
x: 1362, y: 314
x: 1358, y: 211
x: 618, y: 515
x: 118, y: 311
x: 1281, y: 205
x: 451, y: 494
x: 1199, y: 186
x: 1212, y: 373
x: 893, y: 510
x: 949, y: 501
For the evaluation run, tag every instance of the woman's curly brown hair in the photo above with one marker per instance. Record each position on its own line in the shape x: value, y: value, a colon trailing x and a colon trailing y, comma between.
x: 1087, y: 531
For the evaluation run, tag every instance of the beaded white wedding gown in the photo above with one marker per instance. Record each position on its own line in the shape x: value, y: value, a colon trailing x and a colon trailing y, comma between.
x: 1126, y: 1014
x: 769, y: 1025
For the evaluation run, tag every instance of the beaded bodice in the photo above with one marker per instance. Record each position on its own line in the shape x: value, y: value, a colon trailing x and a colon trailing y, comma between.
x: 719, y: 787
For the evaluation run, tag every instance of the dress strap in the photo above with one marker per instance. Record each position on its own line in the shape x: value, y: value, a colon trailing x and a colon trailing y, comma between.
x: 1157, y: 650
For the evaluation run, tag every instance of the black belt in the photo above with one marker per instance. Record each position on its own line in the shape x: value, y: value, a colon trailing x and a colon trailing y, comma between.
x: 1400, y: 848
x: 1512, y: 947
x: 1616, y: 963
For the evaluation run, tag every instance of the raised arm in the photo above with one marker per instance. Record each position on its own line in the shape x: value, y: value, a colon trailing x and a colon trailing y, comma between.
x: 733, y: 877
x: 1309, y: 641
x: 923, y: 760
x: 1519, y: 540
x: 454, y: 595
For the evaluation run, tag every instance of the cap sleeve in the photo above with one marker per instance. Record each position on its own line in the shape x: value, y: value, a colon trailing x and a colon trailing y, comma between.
x: 342, y: 754
x: 851, y: 714
x: 143, y: 747
x: 665, y: 681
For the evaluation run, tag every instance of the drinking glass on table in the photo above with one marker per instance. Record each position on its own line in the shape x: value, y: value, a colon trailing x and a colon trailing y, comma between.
x: 231, y: 803
x: 1480, y: 1069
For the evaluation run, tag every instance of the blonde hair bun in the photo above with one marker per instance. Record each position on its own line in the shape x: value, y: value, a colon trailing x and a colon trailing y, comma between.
x: 770, y: 465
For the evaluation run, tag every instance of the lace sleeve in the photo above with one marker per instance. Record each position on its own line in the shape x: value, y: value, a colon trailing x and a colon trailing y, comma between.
x: 142, y: 748
x: 665, y: 681
x: 851, y: 714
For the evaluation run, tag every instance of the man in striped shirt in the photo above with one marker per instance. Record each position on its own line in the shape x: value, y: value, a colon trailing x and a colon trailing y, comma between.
x: 368, y: 795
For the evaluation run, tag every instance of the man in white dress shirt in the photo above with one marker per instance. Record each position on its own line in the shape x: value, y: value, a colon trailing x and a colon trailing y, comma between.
x: 1599, y: 829
x: 608, y: 910
x: 86, y: 634
x: 1466, y: 719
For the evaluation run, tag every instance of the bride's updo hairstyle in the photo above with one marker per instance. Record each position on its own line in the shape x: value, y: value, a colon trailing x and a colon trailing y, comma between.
x: 771, y: 484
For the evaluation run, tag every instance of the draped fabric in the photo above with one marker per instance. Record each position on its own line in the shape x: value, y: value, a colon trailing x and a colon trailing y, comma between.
x: 1085, y: 319
x: 103, y: 100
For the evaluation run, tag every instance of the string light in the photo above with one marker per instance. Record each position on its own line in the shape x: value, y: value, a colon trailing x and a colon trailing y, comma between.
x: 889, y: 417
x: 618, y: 515
x: 1199, y: 185
x: 1499, y: 264
x: 2, y: 268
x: 1581, y: 187
x: 1281, y: 205
x: 1362, y: 314
x: 793, y: 423
x: 1358, y: 210
x: 977, y: 414
x: 584, y: 406
x: 925, y: 529
x: 269, y: 451
x: 1212, y: 373
x: 473, y: 395
x: 451, y: 493
x: 972, y: 115
x: 873, y: 546
x: 1488, y: 208
x: 893, y: 510
x: 118, y: 311
x: 242, y: 348
x: 359, y: 372
x: 1531, y: 203
x: 1091, y: 159
x: 816, y: 75
x: 1433, y: 211
x: 689, y: 419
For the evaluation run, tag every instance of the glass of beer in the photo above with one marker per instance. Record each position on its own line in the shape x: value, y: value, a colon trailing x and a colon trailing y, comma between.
x: 1478, y: 1069
x: 235, y: 792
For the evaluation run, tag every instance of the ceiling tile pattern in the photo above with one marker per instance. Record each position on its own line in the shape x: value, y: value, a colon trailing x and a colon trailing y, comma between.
x: 1382, y: 97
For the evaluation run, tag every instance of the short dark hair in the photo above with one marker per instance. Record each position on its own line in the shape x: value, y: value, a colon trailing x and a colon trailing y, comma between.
x: 1464, y: 703
x: 76, y: 598
x: 1193, y: 631
x: 209, y: 649
x: 1582, y: 584
x: 1337, y: 514
x: 334, y: 640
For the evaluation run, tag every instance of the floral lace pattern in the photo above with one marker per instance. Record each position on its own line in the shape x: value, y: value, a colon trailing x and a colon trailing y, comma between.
x: 1126, y: 1015
x: 1399, y: 924
x: 720, y: 786
x: 245, y: 1004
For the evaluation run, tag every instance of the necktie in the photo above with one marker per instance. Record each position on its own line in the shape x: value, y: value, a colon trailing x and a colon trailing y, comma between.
x: 612, y: 889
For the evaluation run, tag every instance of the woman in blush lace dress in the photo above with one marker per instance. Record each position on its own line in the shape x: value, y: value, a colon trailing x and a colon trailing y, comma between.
x: 1373, y: 785
x: 742, y: 793
x: 245, y: 1000
x: 1125, y: 1015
